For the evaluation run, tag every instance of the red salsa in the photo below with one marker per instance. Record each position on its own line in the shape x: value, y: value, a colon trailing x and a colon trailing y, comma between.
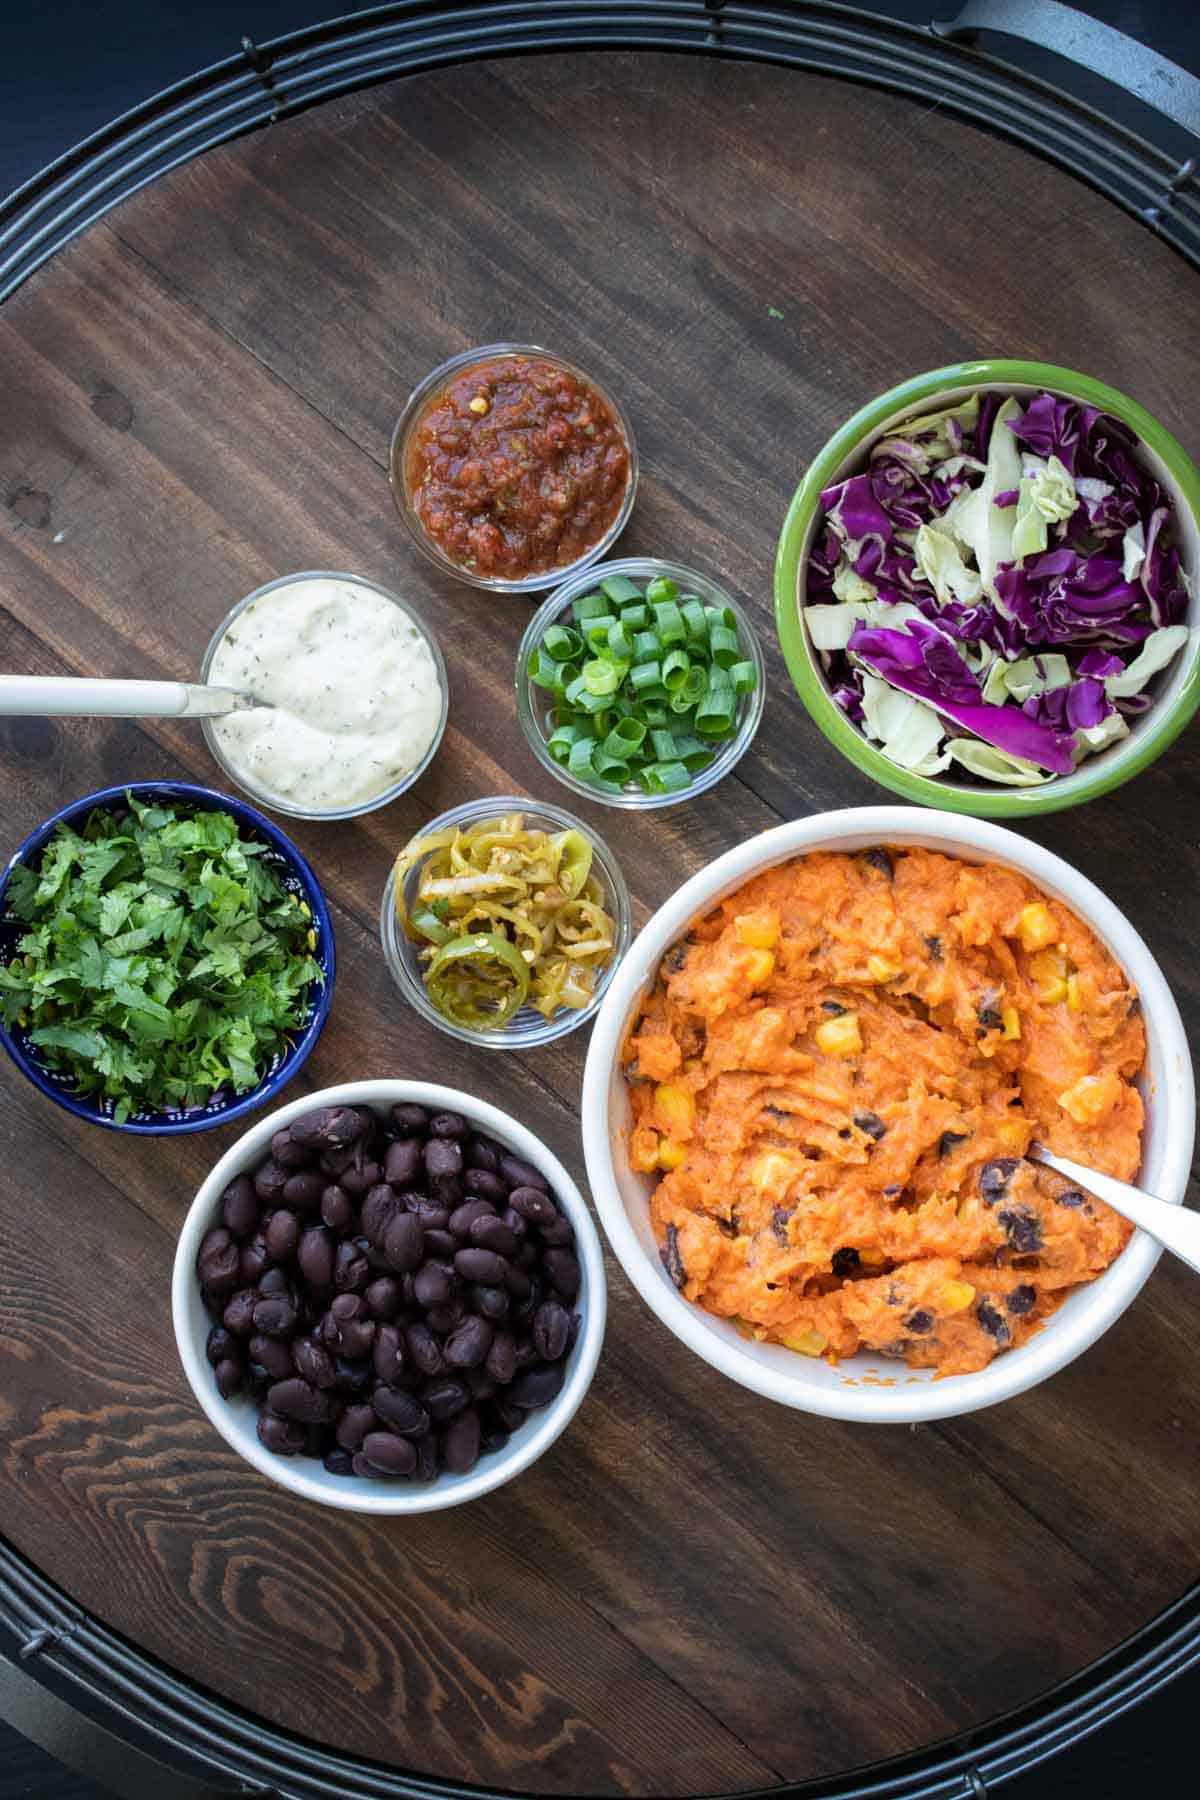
x: 516, y: 467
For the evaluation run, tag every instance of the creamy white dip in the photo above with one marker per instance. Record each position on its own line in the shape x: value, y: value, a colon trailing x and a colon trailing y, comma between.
x: 354, y: 694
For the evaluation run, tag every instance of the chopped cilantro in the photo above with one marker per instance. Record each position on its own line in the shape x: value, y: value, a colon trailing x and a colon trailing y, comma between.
x: 773, y: 312
x: 163, y: 958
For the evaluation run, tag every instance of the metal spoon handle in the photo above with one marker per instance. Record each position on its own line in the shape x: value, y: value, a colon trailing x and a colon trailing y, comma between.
x: 1176, y: 1227
x: 41, y: 695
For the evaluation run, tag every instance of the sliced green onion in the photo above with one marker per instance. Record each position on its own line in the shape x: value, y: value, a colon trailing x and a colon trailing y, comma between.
x: 636, y: 617
x: 544, y: 671
x: 663, y: 742
x: 579, y: 761
x: 655, y: 714
x: 723, y: 643
x: 645, y: 675
x: 625, y: 739
x: 720, y: 615
x: 589, y: 606
x: 603, y: 677
x: 620, y: 643
x: 695, y: 622
x: 559, y: 743
x: 562, y: 643
x: 646, y: 647
x: 619, y: 589
x: 662, y: 588
x: 668, y: 622
x: 715, y: 713
x: 664, y: 778
x: 676, y: 668
x: 744, y: 677
x: 596, y: 631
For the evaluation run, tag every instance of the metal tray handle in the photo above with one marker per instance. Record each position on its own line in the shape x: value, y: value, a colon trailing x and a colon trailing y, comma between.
x: 1091, y: 44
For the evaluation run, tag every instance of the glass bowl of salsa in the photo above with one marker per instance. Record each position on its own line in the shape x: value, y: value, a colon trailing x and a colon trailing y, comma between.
x: 512, y: 468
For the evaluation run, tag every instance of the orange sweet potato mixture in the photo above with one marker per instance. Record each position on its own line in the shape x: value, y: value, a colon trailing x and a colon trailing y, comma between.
x: 837, y: 1074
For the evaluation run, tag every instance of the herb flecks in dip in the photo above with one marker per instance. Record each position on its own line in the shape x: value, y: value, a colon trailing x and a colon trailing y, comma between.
x: 516, y: 467
x: 354, y: 694
x: 838, y: 1073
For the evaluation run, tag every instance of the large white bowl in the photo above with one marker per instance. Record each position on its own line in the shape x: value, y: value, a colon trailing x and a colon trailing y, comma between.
x: 236, y: 1419
x: 621, y: 1195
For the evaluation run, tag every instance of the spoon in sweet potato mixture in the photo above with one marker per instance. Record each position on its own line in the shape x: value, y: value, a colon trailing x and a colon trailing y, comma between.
x: 837, y: 1075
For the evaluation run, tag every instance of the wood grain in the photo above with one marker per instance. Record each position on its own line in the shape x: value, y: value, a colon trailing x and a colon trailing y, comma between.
x: 694, y: 1590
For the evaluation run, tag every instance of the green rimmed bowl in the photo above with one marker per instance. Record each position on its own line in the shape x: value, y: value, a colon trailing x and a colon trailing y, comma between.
x: 1178, y: 692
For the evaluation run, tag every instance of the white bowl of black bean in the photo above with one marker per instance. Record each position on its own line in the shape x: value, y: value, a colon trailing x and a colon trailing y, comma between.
x: 1011, y: 1295
x: 389, y: 1297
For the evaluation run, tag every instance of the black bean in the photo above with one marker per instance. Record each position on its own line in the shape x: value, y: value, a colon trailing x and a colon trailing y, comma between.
x: 258, y: 1380
x: 270, y: 1181
x: 432, y: 1285
x: 480, y: 1153
x: 338, y: 1462
x: 533, y: 1204
x: 402, y: 1162
x: 296, y: 1399
x: 521, y: 1174
x: 444, y: 1319
x: 844, y: 1262
x: 871, y: 1123
x: 389, y: 1454
x: 365, y: 1470
x: 254, y: 1260
x: 551, y: 1325
x: 287, y: 1152
x: 409, y: 1119
x: 314, y: 1363
x: 994, y: 1178
x: 238, y: 1316
x: 991, y: 1322
x: 1072, y: 1197
x: 934, y: 946
x: 537, y: 1385
x: 219, y: 1344
x: 327, y: 1127
x: 275, y: 1281
x: 444, y: 1395
x: 354, y: 1425
x: 353, y: 1375
x: 479, y: 1265
x: 484, y: 1184
x: 400, y: 1411
x: 218, y: 1262
x: 345, y: 1328
x: 877, y: 858
x: 670, y: 1258
x: 382, y: 1297
x: 490, y: 1302
x: 276, y: 1316
x: 283, y: 1234
x: 834, y: 1008
x: 1022, y: 1229
x: 527, y: 1256
x: 558, y: 1233
x: 302, y: 1191
x: 433, y: 1214
x: 404, y: 1242
x: 442, y: 1157
x: 448, y: 1125
x: 501, y: 1363
x: 919, y: 1322
x: 988, y: 1013
x: 228, y: 1375
x: 424, y: 1349
x: 516, y: 1281
x: 1023, y: 1299
x: 351, y: 1270
x: 314, y: 1254
x: 510, y: 1416
x: 464, y: 1216
x: 440, y: 1243
x: 459, y: 1447
x: 239, y: 1207
x: 563, y: 1269
x: 360, y: 1178
x: 272, y: 1354
x: 949, y: 1139
x: 337, y: 1208
x: 380, y: 1207
x: 492, y: 1435
x: 491, y: 1233
x: 467, y: 1347
x: 388, y: 1354
x: 286, y: 1437
x: 339, y: 1161
x: 516, y: 1224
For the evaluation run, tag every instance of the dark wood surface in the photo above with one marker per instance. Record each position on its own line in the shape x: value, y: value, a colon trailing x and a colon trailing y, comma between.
x: 694, y: 1590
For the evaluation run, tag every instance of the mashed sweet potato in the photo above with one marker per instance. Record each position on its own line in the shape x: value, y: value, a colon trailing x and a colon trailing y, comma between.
x: 837, y: 1074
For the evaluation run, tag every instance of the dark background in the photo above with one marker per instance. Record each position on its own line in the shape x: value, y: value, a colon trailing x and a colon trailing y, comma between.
x: 70, y: 67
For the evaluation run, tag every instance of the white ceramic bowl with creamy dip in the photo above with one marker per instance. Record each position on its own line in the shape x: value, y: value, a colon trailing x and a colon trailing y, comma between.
x: 355, y: 689
x: 865, y: 1388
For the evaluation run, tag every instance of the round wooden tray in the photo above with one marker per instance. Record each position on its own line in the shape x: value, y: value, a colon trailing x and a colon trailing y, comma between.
x: 695, y: 1591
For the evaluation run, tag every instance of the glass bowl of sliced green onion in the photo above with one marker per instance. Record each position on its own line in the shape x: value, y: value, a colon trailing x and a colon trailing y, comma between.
x: 503, y: 922
x: 640, y: 683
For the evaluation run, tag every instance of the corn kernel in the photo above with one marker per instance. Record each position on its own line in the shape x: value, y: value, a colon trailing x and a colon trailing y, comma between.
x: 643, y: 1150
x: 479, y: 405
x: 760, y: 967
x: 809, y: 1343
x: 1049, y: 971
x: 873, y: 1259
x: 773, y: 1173
x: 758, y: 931
x: 1036, y: 927
x: 840, y: 1036
x: 879, y: 968
x: 1074, y: 997
x: 670, y: 1153
x: 1012, y: 1022
x: 1086, y: 1100
x: 675, y: 1110
x: 954, y: 1296
x: 1013, y: 1135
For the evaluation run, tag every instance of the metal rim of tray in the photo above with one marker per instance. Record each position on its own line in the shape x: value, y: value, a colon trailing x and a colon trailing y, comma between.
x: 177, y: 1741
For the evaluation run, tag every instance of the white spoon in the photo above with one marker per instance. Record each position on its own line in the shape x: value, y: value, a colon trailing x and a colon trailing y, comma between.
x: 1177, y: 1228
x: 41, y: 695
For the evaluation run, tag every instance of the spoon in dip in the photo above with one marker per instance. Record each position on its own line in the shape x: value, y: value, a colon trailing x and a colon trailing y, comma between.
x: 1177, y: 1228
x: 41, y: 695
